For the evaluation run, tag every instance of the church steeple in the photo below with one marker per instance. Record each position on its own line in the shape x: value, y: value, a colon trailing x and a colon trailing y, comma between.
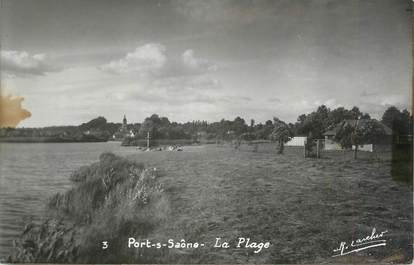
x: 124, y: 121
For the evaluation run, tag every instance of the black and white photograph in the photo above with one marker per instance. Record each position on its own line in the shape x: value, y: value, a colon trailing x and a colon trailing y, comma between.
x: 206, y: 131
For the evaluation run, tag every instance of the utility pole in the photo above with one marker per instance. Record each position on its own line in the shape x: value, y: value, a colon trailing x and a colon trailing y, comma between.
x: 148, y: 140
x: 354, y: 139
x: 317, y: 148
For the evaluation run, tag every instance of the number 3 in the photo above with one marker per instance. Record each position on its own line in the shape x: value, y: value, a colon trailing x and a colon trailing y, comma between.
x: 105, y: 244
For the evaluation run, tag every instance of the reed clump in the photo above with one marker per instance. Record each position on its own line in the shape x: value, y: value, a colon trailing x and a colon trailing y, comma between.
x: 110, y: 201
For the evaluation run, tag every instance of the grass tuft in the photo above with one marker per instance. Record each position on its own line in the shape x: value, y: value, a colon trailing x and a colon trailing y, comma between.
x: 112, y: 200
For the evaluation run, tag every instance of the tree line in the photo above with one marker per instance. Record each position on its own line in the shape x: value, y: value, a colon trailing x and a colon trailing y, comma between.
x: 312, y: 125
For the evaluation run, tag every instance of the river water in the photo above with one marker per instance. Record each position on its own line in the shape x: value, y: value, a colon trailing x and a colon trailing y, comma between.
x: 32, y: 172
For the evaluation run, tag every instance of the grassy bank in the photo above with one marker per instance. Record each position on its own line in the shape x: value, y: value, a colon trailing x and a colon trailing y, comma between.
x: 110, y: 201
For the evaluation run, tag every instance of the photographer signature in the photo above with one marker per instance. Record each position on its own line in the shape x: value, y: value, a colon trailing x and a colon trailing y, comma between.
x: 371, y: 241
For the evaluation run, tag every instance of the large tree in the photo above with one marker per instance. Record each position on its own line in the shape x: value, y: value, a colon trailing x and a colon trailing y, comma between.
x: 94, y: 124
x: 239, y: 126
x: 399, y: 121
x: 359, y: 132
x: 314, y: 123
x: 281, y: 134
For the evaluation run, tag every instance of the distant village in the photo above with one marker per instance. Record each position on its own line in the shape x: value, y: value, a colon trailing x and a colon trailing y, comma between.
x: 323, y: 125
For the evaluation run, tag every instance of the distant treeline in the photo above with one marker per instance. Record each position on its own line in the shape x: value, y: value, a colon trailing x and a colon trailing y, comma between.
x: 96, y: 130
x: 314, y: 123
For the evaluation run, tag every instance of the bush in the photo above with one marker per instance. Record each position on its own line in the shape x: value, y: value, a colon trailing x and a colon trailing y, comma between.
x: 113, y: 199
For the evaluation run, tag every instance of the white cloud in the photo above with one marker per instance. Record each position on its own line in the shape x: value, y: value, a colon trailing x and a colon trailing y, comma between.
x: 22, y: 63
x: 151, y: 60
x: 163, y: 78
x: 171, y: 91
x: 144, y: 60
x: 197, y: 64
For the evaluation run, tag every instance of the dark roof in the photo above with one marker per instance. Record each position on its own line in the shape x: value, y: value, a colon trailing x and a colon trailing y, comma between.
x: 336, y: 128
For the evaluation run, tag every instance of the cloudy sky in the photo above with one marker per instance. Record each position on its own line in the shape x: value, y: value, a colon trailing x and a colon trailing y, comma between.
x: 189, y: 60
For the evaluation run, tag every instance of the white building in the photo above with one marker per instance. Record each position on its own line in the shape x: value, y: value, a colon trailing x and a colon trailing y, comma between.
x: 296, y: 141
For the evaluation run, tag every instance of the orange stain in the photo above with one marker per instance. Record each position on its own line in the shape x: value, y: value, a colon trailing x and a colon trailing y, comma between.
x: 11, y: 111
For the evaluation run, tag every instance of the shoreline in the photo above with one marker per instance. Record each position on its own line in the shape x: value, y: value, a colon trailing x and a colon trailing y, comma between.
x: 47, y: 140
